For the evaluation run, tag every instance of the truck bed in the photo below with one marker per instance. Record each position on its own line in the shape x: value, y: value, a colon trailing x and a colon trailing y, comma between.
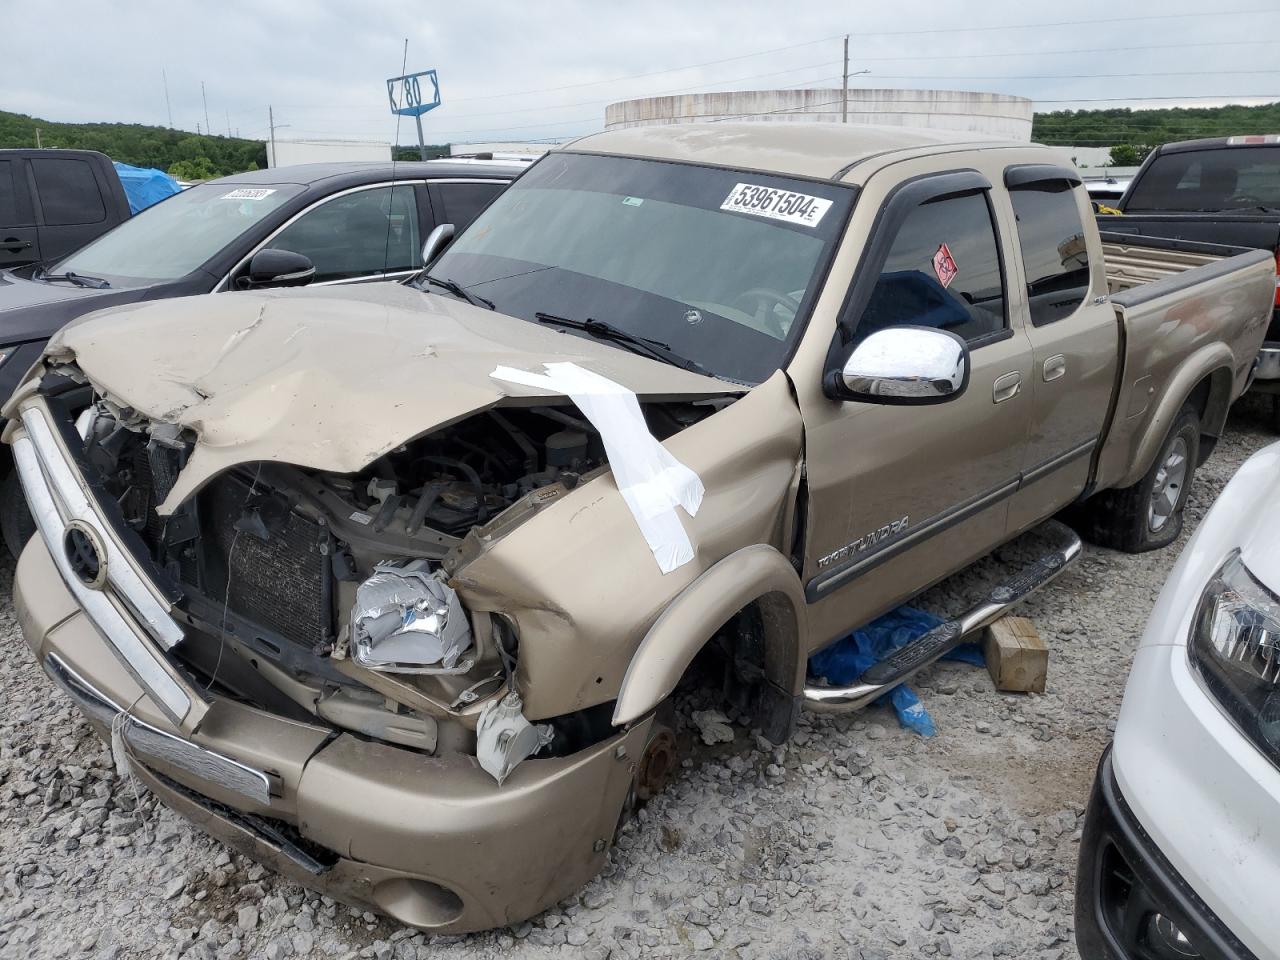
x: 1178, y: 299
x: 1132, y: 260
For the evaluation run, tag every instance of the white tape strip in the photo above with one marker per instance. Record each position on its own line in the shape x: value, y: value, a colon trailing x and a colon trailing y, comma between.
x: 650, y: 479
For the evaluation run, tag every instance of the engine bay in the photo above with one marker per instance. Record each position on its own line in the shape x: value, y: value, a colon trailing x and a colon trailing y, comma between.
x: 320, y: 594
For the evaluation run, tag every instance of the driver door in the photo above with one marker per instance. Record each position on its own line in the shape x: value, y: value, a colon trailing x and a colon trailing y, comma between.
x: 901, y: 496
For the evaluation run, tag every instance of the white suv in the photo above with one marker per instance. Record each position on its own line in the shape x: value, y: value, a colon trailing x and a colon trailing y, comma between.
x: 1180, y: 856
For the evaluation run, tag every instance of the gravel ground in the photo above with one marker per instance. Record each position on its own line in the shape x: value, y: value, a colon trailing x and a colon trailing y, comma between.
x: 858, y: 840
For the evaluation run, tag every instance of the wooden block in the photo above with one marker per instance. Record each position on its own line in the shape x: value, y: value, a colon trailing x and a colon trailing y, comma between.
x: 1017, y: 658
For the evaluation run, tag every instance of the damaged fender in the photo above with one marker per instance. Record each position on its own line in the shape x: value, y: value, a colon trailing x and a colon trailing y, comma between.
x: 757, y: 573
x: 546, y: 576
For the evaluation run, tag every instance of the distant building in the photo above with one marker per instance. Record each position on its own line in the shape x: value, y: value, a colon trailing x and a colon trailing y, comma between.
x: 1002, y: 116
x: 288, y: 152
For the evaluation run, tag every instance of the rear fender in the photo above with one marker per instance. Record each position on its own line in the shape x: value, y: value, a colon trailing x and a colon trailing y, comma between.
x: 1213, y: 362
x: 755, y: 574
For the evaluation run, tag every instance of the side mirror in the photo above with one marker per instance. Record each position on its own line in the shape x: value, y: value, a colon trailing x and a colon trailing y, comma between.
x: 277, y: 268
x: 437, y: 240
x: 905, y: 365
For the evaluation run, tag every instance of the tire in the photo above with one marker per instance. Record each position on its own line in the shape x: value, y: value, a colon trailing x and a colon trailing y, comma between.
x: 16, y: 525
x: 1148, y: 515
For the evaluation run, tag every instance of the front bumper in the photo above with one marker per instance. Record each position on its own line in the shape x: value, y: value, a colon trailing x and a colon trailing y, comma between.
x: 1124, y: 881
x: 430, y: 840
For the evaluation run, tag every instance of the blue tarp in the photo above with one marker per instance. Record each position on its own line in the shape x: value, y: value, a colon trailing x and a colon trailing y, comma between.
x: 144, y: 186
x: 843, y: 662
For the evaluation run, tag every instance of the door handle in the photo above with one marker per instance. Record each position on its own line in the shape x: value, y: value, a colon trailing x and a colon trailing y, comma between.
x: 13, y: 244
x: 1054, y: 367
x: 1006, y: 386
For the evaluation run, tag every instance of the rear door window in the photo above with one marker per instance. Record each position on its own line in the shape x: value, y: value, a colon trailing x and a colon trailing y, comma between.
x: 1226, y: 178
x: 463, y: 201
x: 361, y: 234
x: 8, y: 195
x: 943, y: 270
x: 1055, y: 255
x: 68, y: 191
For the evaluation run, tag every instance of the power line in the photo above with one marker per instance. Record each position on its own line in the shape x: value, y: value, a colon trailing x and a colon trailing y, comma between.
x: 1040, y: 53
x: 1093, y: 21
x: 1073, y: 76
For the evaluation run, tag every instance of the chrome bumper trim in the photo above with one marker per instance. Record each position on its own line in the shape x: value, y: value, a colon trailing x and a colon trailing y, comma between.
x: 125, y: 605
x: 1268, y: 367
x: 148, y: 743
x: 124, y: 580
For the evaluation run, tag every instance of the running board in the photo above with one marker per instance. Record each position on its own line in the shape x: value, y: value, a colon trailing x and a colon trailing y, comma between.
x: 900, y: 665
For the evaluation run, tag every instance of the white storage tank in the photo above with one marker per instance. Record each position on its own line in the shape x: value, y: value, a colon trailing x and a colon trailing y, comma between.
x: 1000, y: 115
x: 288, y: 152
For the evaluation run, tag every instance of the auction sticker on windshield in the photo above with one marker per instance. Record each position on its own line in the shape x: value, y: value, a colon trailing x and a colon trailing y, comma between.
x: 248, y: 193
x: 776, y: 204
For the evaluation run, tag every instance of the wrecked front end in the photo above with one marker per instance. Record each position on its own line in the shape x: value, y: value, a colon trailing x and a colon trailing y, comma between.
x: 292, y: 658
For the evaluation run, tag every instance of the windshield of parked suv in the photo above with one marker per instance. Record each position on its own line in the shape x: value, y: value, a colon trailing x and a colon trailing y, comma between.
x: 177, y: 235
x: 1228, y: 178
x: 719, y: 266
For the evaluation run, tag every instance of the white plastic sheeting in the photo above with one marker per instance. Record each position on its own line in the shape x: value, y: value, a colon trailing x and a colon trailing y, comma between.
x: 650, y: 479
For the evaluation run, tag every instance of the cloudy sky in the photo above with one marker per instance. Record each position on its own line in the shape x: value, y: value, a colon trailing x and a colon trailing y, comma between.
x: 538, y: 70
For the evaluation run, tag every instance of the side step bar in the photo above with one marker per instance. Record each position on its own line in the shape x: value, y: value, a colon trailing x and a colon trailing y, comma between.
x: 903, y: 663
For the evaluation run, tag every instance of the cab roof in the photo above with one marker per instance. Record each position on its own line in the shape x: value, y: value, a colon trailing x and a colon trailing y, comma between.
x: 818, y: 150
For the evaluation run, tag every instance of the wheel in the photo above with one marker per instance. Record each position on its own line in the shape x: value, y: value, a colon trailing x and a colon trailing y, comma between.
x: 16, y: 525
x: 1148, y: 515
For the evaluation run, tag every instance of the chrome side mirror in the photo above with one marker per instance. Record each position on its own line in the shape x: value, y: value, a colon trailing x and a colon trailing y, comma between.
x: 906, y: 365
x: 436, y: 241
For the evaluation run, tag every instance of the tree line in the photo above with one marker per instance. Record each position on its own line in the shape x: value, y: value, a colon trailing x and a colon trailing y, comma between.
x: 1132, y: 133
x: 185, y: 155
x: 189, y: 156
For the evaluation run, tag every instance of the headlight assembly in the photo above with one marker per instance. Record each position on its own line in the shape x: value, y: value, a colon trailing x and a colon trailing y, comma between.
x: 1235, y: 647
x: 406, y: 619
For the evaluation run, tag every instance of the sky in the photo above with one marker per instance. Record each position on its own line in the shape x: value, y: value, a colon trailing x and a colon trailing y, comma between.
x: 547, y: 69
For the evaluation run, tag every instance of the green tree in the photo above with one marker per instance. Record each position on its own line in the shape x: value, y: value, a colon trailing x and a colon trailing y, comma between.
x: 201, y: 168
x: 1128, y: 154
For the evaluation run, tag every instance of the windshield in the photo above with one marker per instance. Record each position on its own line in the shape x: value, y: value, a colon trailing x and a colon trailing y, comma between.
x: 174, y: 237
x: 719, y: 265
x: 1228, y: 178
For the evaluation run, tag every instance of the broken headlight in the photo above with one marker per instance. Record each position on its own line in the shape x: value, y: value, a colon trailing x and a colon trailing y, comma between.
x: 406, y: 619
x: 1235, y: 647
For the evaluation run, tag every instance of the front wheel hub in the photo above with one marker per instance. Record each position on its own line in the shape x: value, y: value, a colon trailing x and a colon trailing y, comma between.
x: 657, y: 765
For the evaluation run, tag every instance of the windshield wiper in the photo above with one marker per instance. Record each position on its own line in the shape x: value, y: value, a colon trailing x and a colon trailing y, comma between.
x: 97, y: 283
x: 645, y: 345
x: 458, y: 290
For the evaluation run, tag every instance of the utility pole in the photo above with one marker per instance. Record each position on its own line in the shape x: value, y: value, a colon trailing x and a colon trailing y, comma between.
x: 207, y: 125
x: 167, y: 105
x: 38, y: 138
x: 844, y: 99
x: 271, y: 123
x: 228, y: 113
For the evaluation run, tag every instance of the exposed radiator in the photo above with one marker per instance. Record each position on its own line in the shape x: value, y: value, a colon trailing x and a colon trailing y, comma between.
x: 281, y: 583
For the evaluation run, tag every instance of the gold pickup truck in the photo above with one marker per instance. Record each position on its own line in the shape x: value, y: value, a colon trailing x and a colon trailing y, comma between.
x: 388, y: 585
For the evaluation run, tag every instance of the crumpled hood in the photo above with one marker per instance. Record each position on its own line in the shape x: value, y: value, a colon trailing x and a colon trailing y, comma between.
x: 330, y: 378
